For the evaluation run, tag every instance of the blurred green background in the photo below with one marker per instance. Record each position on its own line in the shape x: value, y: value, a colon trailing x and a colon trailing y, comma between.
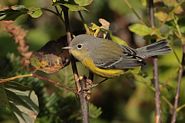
x: 125, y: 99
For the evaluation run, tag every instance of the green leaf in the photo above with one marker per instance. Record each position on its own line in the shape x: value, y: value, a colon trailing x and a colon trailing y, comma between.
x: 23, y: 103
x: 140, y: 29
x: 35, y: 12
x: 118, y: 40
x: 83, y: 2
x: 94, y: 111
x: 15, y: 12
x: 17, y: 112
x: 13, y: 97
x: 12, y: 14
x: 17, y: 86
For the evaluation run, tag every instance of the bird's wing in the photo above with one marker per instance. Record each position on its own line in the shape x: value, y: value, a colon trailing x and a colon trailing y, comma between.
x: 115, y: 57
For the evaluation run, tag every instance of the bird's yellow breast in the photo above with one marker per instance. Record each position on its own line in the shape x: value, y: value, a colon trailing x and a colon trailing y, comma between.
x: 102, y: 72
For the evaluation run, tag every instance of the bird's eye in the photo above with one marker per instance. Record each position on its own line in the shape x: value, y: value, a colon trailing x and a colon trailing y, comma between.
x: 79, y: 46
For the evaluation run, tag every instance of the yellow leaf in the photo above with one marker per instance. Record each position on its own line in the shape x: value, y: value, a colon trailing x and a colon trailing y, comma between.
x: 178, y: 10
x: 162, y: 16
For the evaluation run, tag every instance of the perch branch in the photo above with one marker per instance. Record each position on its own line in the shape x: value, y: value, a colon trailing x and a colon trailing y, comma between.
x: 155, y: 68
x: 180, y: 74
x: 80, y: 85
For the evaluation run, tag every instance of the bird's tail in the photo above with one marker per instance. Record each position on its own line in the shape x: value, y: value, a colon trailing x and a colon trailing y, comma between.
x: 157, y: 48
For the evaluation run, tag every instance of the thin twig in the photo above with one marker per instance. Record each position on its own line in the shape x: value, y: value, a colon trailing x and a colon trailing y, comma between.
x: 15, y: 77
x: 56, y: 83
x: 155, y: 68
x: 157, y: 91
x: 180, y: 74
x: 59, y: 14
x: 85, y: 24
x: 180, y: 108
x: 81, y: 16
x: 174, y: 115
x: 80, y: 85
x: 51, y: 11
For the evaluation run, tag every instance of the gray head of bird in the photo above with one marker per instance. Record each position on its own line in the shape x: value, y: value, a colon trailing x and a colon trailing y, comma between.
x: 82, y: 45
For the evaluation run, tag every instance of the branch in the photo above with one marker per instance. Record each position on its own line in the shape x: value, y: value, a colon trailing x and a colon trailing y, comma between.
x: 80, y: 85
x: 180, y: 74
x: 56, y: 83
x: 155, y: 68
x: 15, y: 77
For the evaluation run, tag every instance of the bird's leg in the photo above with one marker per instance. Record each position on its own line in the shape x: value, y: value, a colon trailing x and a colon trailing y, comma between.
x: 91, y: 85
x: 88, y: 83
x: 95, y: 85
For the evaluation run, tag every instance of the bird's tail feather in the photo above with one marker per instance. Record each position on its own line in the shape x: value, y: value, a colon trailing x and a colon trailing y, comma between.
x: 157, y: 48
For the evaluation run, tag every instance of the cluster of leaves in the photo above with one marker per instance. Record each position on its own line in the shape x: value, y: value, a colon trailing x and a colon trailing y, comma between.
x: 18, y: 99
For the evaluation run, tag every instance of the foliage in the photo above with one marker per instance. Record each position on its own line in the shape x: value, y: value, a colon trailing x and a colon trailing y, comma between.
x: 128, y: 98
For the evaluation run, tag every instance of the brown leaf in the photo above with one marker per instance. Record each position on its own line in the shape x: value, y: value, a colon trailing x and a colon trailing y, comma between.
x: 51, y: 57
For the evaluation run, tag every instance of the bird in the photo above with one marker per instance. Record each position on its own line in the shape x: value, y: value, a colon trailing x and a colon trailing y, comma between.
x: 109, y: 59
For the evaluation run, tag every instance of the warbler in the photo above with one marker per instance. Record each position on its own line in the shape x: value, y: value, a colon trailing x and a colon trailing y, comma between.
x: 109, y: 59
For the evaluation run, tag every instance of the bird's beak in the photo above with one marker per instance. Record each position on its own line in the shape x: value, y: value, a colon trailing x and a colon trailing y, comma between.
x: 66, y: 48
